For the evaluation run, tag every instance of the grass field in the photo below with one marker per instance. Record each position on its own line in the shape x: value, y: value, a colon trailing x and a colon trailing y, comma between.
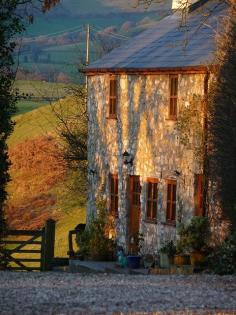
x: 25, y: 106
x: 41, y: 185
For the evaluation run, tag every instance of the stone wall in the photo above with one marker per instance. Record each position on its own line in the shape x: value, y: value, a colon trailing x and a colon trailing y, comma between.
x: 142, y: 128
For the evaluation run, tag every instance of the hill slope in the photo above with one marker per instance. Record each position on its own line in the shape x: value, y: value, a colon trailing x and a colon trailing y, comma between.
x: 42, y: 187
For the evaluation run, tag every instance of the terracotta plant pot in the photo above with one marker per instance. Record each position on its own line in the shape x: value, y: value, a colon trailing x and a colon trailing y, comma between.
x: 181, y: 260
x: 197, y: 258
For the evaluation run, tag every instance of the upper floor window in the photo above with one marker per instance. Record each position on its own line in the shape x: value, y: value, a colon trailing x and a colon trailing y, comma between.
x: 171, y: 201
x: 113, y: 97
x: 173, y: 96
x: 114, y: 194
x: 152, y: 198
x: 198, y: 195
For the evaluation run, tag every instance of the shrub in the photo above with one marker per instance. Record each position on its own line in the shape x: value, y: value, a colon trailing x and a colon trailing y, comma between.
x: 194, y: 236
x: 94, y: 242
x: 222, y: 259
x: 169, y: 249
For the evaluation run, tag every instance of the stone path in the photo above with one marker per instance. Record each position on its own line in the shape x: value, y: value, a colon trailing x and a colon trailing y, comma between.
x: 66, y: 293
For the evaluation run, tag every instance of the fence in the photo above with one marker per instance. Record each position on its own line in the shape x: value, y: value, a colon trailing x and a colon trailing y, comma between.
x: 15, y: 246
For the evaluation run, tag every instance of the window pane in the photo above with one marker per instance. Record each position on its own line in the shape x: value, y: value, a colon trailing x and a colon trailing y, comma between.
x: 173, y: 193
x: 155, y: 191
x: 169, y: 192
x: 173, y: 212
x: 168, y: 211
x: 149, y: 190
x: 154, y: 210
x: 149, y: 204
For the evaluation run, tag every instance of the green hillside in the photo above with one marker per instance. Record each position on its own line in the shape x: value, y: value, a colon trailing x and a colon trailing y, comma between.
x: 42, y: 187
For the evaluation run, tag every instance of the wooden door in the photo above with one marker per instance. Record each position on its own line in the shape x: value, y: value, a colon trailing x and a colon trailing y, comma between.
x: 134, y: 212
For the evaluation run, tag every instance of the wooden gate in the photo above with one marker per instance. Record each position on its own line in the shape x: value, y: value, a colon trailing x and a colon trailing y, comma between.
x: 35, y: 243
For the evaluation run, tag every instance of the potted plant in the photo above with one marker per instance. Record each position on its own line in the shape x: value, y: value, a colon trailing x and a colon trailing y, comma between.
x: 192, y: 242
x: 182, y: 256
x: 133, y: 259
x: 167, y: 253
x: 198, y: 234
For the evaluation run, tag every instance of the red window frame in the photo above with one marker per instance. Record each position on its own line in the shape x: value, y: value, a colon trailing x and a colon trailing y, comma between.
x: 171, y: 200
x: 112, y: 97
x: 198, y: 194
x: 152, y: 199
x: 173, y: 85
x: 114, y: 194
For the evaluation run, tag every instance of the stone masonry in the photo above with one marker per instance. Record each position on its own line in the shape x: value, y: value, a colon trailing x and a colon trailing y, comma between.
x: 142, y: 128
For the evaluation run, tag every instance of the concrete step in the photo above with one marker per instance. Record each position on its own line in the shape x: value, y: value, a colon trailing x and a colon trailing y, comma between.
x: 102, y: 267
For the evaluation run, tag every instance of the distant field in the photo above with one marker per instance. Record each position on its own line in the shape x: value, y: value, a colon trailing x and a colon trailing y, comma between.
x: 42, y: 88
x: 39, y: 89
x: 24, y: 106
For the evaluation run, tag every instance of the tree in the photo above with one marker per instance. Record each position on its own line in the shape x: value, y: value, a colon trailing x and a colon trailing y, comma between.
x: 222, y: 121
x: 11, y: 24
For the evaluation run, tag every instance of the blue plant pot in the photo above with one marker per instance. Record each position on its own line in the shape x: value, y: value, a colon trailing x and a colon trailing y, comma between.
x: 133, y: 262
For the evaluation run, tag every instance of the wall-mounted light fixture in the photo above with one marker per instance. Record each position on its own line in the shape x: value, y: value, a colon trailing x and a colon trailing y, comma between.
x: 92, y: 172
x: 127, y: 158
x: 177, y: 173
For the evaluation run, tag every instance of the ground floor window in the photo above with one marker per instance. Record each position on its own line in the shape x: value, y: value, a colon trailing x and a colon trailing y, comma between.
x: 198, y: 195
x: 152, y: 198
x: 114, y: 194
x: 171, y: 201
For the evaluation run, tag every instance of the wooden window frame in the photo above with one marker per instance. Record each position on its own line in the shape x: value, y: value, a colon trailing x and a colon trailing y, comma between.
x: 198, y: 195
x: 173, y: 97
x: 171, y: 202
x: 150, y: 200
x: 112, y: 108
x: 113, y: 194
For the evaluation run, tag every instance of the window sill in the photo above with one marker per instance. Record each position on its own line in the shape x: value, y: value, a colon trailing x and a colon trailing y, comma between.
x: 169, y: 223
x: 151, y: 221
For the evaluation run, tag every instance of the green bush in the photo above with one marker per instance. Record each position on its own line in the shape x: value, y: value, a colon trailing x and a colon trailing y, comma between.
x: 222, y: 259
x: 94, y: 243
x: 169, y: 249
x: 194, y: 236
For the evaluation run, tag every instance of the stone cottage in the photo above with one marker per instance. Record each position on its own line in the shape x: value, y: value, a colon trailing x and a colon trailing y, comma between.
x: 136, y: 94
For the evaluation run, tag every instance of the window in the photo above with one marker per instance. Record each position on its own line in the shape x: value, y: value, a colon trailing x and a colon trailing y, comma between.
x: 173, y: 97
x: 198, y: 195
x: 113, y: 97
x: 114, y: 194
x: 152, y: 198
x: 171, y: 200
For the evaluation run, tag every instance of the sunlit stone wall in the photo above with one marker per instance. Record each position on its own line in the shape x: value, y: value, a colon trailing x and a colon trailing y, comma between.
x: 142, y: 128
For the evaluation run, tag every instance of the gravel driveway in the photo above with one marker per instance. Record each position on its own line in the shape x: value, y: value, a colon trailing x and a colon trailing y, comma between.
x: 64, y: 293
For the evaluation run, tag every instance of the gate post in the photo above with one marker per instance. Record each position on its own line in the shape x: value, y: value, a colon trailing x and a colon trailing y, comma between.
x: 48, y: 242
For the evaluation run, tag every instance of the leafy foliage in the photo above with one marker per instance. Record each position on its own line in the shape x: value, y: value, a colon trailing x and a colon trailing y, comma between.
x: 94, y: 242
x: 194, y: 236
x: 222, y: 259
x: 222, y: 117
x: 190, y: 126
x: 169, y: 249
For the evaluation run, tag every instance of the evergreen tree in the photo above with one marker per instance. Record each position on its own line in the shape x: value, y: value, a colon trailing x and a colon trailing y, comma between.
x: 222, y: 121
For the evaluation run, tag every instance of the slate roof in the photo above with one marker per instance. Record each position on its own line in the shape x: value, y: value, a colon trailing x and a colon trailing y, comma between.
x: 167, y: 45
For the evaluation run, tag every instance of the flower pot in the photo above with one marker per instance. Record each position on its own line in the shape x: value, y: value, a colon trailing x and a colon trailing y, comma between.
x: 181, y: 260
x: 148, y: 261
x: 197, y: 258
x: 164, y: 260
x: 133, y: 262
